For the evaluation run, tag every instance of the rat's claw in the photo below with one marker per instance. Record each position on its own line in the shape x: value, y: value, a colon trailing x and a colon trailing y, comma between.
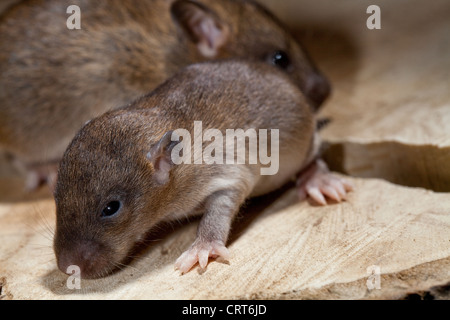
x: 326, y: 184
x: 339, y: 188
x: 315, y: 193
x: 200, y: 252
x: 347, y: 185
x: 318, y: 182
x: 185, y: 262
x: 331, y: 193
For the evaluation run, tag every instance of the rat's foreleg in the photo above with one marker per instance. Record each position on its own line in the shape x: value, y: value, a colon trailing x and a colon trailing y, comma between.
x: 41, y: 175
x: 212, y: 233
x: 318, y: 182
x: 38, y: 174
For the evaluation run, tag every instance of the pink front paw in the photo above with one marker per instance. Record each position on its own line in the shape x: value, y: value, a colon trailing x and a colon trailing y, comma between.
x: 200, y: 251
x: 36, y: 179
x: 38, y: 176
x: 318, y: 182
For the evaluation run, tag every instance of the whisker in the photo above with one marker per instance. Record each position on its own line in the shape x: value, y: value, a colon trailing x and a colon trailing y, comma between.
x: 40, y: 225
x: 46, y: 236
x: 51, y: 260
x: 44, y: 220
x: 40, y: 246
x: 124, y: 267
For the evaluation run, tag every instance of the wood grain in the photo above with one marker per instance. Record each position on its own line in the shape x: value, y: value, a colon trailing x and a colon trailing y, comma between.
x: 286, y: 250
x: 391, y: 120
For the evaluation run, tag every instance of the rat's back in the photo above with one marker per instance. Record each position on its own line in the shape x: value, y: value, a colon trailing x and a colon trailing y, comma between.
x: 231, y: 94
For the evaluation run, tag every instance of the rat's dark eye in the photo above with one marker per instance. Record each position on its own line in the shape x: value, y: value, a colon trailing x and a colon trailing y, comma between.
x: 111, y: 208
x: 281, y: 59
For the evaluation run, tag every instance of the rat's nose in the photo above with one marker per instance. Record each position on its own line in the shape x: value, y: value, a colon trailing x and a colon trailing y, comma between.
x: 317, y: 89
x: 86, y: 256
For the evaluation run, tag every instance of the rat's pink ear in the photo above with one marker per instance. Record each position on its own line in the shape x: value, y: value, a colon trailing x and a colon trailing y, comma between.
x: 202, y: 26
x: 160, y: 157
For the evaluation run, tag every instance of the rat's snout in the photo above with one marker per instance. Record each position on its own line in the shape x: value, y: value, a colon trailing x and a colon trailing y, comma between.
x: 318, y: 89
x: 85, y: 255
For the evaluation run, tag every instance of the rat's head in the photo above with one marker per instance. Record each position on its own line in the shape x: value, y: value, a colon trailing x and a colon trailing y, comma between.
x: 245, y: 29
x: 108, y: 195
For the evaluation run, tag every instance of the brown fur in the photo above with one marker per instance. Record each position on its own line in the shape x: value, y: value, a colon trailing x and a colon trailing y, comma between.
x: 53, y: 79
x: 107, y: 160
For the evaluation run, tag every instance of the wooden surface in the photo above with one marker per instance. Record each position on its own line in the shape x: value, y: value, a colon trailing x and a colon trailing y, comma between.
x: 390, y: 110
x: 280, y: 249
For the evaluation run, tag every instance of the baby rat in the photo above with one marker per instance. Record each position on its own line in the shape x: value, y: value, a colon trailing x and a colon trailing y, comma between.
x: 119, y: 177
x: 54, y: 79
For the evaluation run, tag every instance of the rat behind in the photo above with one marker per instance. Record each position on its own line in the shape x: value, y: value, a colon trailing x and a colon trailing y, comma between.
x: 54, y: 80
